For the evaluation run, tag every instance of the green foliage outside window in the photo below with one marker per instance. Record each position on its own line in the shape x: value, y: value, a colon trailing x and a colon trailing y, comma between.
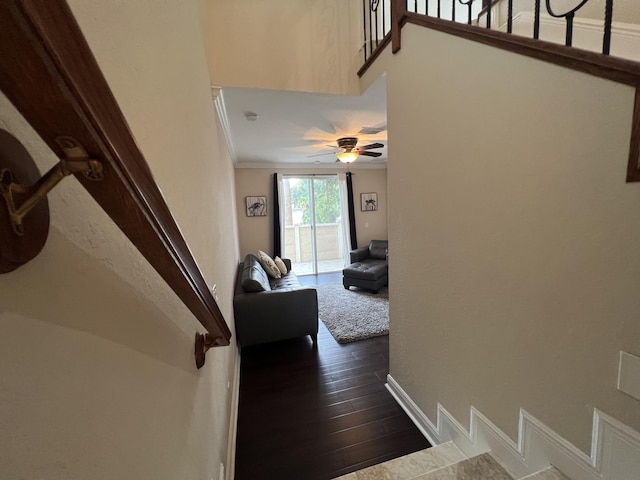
x: 327, y: 199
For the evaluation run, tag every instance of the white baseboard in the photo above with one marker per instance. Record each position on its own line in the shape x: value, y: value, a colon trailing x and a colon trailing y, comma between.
x: 615, y: 453
x: 233, y: 421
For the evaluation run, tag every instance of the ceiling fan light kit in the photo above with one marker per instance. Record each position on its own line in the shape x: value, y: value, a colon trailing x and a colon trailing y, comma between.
x: 351, y: 152
x: 347, y: 157
x: 348, y: 143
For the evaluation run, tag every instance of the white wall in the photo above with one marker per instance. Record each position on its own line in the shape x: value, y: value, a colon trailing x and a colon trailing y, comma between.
x: 310, y: 46
x: 97, y: 377
x: 256, y: 232
x: 513, y: 236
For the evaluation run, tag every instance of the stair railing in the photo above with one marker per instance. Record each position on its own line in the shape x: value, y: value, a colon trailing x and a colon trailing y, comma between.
x: 384, y: 19
x: 377, y: 17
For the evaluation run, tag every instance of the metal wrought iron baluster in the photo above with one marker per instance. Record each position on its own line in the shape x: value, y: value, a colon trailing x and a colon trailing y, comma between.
x: 488, y: 3
x: 608, y: 19
x: 510, y: 16
x: 569, y: 36
x: 384, y: 22
x: 438, y: 8
x: 426, y: 7
x: 376, y: 22
x: 415, y: 6
x: 364, y: 26
x: 453, y: 10
x: 536, y: 21
x: 370, y: 28
x: 568, y: 16
x: 469, y: 4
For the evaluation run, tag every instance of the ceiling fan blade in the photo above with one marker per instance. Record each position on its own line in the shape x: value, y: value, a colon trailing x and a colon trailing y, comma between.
x: 372, y: 130
x: 370, y: 154
x: 373, y: 145
x: 321, y: 154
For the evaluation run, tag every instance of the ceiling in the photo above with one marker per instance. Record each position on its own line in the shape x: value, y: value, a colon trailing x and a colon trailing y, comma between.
x: 292, y: 126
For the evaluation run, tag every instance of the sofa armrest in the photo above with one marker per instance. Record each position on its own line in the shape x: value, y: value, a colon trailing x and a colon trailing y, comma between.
x: 280, y: 314
x: 358, y: 254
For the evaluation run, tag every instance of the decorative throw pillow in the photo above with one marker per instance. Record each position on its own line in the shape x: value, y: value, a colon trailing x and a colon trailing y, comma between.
x: 269, y: 265
x: 281, y: 266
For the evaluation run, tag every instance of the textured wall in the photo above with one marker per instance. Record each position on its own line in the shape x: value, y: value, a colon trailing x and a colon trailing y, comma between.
x: 97, y: 378
x: 514, y: 236
x: 309, y: 46
x: 256, y: 232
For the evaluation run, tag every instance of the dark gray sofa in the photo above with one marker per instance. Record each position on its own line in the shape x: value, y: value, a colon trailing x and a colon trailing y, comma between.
x: 369, y: 267
x: 271, y: 309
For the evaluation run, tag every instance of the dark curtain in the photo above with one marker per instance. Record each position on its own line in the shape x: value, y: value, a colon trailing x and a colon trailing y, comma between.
x: 277, y: 247
x: 352, y: 213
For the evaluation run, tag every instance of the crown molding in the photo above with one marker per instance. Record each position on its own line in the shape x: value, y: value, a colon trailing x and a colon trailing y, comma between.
x: 314, y: 166
x: 218, y: 100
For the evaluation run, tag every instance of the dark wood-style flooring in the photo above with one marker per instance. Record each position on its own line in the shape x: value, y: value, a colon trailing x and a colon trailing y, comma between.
x: 308, y: 413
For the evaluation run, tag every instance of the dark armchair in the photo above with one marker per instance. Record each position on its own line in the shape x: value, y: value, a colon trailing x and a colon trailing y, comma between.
x: 369, y: 267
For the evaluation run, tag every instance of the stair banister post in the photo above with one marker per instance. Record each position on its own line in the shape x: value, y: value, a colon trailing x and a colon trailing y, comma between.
x: 398, y: 10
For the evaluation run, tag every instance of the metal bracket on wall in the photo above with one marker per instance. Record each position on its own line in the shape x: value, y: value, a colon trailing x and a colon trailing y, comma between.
x: 24, y: 193
x: 203, y: 343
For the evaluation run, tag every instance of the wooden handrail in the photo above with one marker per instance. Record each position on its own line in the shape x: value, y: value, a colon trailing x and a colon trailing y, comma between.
x: 48, y: 72
x: 381, y: 46
x: 612, y: 68
x: 604, y: 66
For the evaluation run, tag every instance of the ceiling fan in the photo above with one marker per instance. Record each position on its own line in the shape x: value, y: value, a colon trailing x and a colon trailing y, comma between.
x: 350, y: 150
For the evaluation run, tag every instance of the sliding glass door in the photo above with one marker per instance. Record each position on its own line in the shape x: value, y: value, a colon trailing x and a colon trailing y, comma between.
x: 313, y: 228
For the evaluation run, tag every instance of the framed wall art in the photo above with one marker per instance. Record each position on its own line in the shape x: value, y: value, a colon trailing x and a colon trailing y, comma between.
x: 256, y: 206
x: 368, y: 202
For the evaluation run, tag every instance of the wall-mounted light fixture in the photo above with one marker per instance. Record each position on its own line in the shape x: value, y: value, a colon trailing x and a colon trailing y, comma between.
x: 24, y: 215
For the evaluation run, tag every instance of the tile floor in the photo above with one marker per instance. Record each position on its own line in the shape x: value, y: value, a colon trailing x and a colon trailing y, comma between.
x: 444, y: 462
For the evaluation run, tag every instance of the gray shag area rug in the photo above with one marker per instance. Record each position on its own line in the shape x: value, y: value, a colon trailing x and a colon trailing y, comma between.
x: 352, y: 315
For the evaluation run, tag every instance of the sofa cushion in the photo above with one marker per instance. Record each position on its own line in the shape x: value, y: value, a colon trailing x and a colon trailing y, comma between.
x: 253, y: 278
x: 281, y: 265
x: 378, y: 249
x: 268, y: 265
x: 286, y: 281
